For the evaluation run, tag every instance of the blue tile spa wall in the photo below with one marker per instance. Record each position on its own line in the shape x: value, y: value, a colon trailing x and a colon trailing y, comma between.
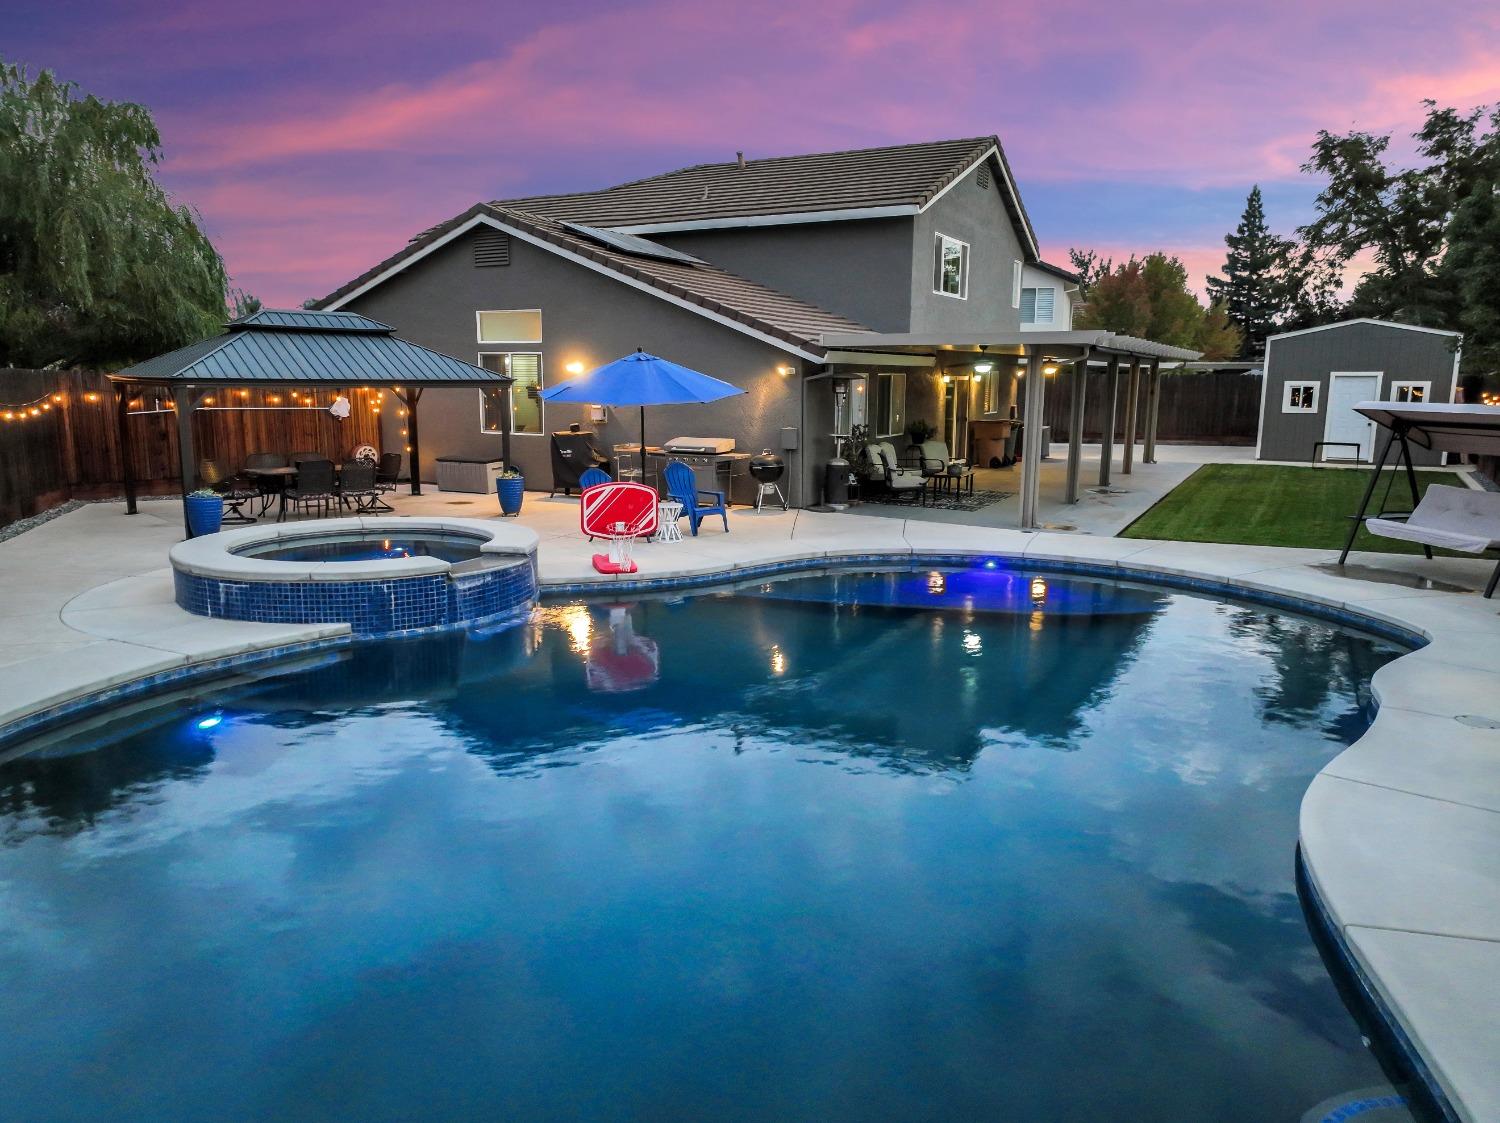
x: 374, y: 607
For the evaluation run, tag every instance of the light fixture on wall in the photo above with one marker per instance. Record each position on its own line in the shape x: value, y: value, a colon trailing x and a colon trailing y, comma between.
x: 947, y: 378
x: 785, y: 370
x: 1049, y: 368
x: 575, y: 367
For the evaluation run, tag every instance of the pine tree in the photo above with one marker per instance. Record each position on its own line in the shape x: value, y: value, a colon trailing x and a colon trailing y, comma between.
x: 1472, y: 264
x: 1253, y: 287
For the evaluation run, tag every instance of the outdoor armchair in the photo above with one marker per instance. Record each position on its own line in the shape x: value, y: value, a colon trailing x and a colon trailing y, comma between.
x: 1451, y: 518
x: 314, y: 486
x: 682, y: 485
x: 387, y: 475
x: 357, y: 487
x: 901, y: 477
x: 236, y: 490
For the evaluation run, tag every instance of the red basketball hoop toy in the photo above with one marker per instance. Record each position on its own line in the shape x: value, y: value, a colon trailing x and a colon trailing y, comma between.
x: 620, y: 512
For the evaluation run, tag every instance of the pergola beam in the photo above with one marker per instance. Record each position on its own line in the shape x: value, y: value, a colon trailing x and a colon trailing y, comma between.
x: 1132, y: 400
x: 1153, y: 411
x: 1107, y: 437
x: 1031, y: 437
x: 1080, y: 377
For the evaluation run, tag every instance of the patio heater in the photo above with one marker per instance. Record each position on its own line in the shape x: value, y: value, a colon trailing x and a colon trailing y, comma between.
x: 836, y: 472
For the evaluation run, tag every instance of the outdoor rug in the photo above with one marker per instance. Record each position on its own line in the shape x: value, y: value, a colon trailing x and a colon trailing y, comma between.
x: 946, y: 501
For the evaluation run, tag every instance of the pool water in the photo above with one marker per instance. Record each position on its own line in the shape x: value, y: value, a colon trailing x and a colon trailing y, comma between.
x: 353, y: 546
x: 969, y: 849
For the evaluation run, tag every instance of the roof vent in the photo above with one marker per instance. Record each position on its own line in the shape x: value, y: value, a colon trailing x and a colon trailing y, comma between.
x: 739, y: 158
x: 983, y: 179
x: 491, y: 248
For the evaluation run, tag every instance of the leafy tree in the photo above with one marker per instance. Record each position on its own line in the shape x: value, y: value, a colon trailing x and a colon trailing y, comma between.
x: 1257, y: 286
x: 242, y: 304
x: 98, y: 267
x: 1401, y: 216
x: 1471, y: 267
x: 1149, y: 298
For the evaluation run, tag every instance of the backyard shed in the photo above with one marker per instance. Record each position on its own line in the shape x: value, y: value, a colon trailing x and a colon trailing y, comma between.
x: 1314, y: 379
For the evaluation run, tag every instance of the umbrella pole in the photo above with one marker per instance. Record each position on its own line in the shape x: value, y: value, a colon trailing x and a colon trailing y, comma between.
x: 643, y: 444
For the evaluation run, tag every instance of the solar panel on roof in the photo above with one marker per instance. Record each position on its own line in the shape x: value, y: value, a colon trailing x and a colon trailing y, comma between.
x: 629, y: 243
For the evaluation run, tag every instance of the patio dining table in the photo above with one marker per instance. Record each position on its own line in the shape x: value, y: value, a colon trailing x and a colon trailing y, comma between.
x: 286, y: 475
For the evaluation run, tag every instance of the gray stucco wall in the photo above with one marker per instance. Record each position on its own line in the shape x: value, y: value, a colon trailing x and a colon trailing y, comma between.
x: 587, y: 318
x: 1400, y: 355
x: 858, y: 269
x: 978, y: 216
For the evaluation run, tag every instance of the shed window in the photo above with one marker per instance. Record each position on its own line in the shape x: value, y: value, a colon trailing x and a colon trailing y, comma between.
x: 890, y: 404
x: 526, y: 409
x: 950, y: 269
x: 1411, y: 391
x: 521, y: 326
x: 1300, y: 397
x: 1038, y: 305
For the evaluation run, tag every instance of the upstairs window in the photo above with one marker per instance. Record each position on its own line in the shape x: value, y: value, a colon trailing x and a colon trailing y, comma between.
x: 519, y: 326
x: 526, y: 411
x: 1038, y: 305
x: 950, y: 269
x: 1414, y: 392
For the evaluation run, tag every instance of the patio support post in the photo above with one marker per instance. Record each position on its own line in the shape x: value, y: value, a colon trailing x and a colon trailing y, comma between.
x: 1031, y: 437
x: 1080, y: 378
x: 410, y: 396
x: 506, y: 425
x: 185, y: 400
x: 122, y: 442
x: 1107, y: 437
x: 1132, y: 398
x: 1153, y: 410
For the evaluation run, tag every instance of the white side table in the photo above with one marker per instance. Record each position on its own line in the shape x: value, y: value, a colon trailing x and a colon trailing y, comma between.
x: 668, y: 511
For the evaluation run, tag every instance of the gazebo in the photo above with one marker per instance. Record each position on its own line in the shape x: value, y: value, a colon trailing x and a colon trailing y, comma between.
x: 298, y: 350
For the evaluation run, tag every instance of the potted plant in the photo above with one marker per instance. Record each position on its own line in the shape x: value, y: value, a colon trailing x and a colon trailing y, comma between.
x: 205, y: 511
x: 920, y: 431
x: 510, y: 486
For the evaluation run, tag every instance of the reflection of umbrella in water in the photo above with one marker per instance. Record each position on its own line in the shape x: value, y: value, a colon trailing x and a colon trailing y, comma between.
x: 622, y: 661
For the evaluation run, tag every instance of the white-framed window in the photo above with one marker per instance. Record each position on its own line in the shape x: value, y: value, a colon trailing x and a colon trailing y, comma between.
x: 1415, y: 392
x: 989, y: 392
x: 1038, y: 305
x: 1299, y: 397
x: 888, y: 410
x: 517, y: 325
x: 1015, y: 284
x: 950, y: 267
x: 527, y: 415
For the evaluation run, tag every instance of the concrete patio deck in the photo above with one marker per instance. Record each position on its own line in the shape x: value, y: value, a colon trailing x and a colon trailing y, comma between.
x: 1401, y: 832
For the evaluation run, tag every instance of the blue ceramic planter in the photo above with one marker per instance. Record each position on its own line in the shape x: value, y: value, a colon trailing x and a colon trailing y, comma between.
x: 511, y: 490
x: 205, y: 514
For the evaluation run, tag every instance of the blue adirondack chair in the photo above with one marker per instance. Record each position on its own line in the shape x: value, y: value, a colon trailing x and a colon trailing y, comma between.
x: 682, y: 485
x: 592, y: 476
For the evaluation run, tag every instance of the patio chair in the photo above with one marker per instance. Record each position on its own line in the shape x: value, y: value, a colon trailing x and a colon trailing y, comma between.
x: 900, y: 478
x: 314, y: 486
x: 592, y: 477
x: 682, y: 485
x: 269, y: 487
x: 387, y: 475
x: 295, y: 458
x: 236, y: 490
x: 1452, y: 518
x: 357, y: 487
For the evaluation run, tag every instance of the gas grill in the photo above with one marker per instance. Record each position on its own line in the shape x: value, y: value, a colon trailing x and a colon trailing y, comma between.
x: 714, y: 461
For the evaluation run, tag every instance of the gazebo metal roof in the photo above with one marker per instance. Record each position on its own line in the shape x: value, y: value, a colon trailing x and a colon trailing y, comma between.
x: 295, y: 347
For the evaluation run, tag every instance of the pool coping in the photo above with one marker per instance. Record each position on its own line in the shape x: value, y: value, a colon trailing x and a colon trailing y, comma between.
x: 1399, y: 834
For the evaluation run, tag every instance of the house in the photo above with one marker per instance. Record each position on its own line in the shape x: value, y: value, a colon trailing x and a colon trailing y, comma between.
x: 872, y: 287
x: 1314, y: 378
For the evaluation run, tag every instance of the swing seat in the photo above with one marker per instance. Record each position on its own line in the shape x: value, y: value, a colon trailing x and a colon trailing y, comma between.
x: 1452, y: 518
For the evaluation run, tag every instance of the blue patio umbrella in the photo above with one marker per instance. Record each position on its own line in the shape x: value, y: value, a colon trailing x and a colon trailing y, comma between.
x: 641, y: 380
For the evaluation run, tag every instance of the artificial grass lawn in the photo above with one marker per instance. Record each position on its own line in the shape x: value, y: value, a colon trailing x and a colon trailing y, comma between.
x: 1273, y: 505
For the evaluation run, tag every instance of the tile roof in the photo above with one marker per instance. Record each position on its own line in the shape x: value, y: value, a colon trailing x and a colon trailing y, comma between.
x: 899, y: 175
x: 724, y: 294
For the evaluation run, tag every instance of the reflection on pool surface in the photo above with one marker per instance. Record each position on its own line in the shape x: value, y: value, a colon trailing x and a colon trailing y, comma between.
x: 348, y: 546
x: 761, y: 855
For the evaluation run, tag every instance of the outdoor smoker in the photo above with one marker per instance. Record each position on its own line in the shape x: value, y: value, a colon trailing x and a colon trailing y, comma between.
x: 766, y: 469
x: 574, y: 452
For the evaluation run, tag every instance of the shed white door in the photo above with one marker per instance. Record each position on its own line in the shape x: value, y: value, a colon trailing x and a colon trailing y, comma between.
x: 1345, y: 391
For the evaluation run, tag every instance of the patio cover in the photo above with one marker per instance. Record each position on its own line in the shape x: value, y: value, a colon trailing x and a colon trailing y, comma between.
x: 296, y: 347
x: 1078, y: 348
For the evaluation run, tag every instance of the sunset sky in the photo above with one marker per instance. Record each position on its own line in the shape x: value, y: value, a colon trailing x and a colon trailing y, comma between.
x: 315, y: 137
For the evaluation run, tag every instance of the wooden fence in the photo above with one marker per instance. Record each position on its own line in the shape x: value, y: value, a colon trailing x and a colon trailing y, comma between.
x: 1201, y: 407
x: 70, y: 446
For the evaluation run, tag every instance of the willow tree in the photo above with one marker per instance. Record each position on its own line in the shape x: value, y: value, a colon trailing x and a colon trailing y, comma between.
x: 98, y: 267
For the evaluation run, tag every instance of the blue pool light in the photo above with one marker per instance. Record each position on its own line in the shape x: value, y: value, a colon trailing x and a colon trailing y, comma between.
x: 990, y: 564
x: 210, y: 721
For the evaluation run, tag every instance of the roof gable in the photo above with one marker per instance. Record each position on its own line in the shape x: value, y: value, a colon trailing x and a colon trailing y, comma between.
x: 734, y: 301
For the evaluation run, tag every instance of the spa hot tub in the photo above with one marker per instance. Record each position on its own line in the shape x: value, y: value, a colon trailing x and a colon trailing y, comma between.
x: 381, y: 576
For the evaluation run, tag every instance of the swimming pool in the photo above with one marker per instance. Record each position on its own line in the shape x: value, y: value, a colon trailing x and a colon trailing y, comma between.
x: 927, y: 844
